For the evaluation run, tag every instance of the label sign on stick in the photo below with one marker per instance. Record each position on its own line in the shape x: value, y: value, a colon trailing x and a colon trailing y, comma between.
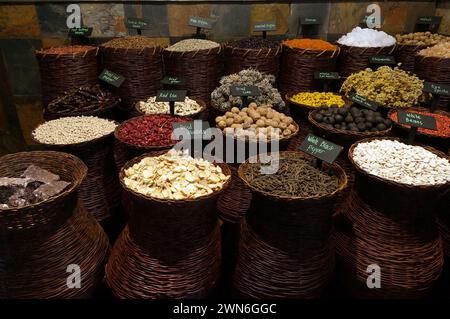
x: 363, y: 101
x: 200, y: 22
x: 326, y: 75
x: 265, y: 26
x: 320, y: 148
x: 437, y: 89
x: 196, y: 128
x: 245, y: 90
x: 382, y: 59
x: 173, y: 80
x: 310, y: 20
x: 171, y: 96
x: 429, y: 20
x: 416, y: 120
x: 80, y: 32
x: 136, y: 23
x: 111, y: 78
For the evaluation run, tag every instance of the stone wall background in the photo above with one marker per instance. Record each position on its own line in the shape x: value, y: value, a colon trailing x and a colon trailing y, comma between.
x: 27, y: 27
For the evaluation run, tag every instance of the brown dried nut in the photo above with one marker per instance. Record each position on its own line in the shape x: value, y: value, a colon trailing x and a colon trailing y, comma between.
x: 235, y: 110
x: 229, y: 121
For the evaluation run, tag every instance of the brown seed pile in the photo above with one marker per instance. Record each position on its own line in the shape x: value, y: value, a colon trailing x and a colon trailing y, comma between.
x: 420, y: 38
x: 131, y: 42
x: 67, y: 50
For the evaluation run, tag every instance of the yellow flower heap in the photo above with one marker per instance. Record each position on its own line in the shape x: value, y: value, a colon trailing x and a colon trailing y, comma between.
x: 318, y: 99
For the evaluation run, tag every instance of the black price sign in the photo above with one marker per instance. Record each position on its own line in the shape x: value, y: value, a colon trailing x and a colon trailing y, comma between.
x: 382, y: 59
x: 363, y: 101
x: 173, y: 80
x: 429, y: 20
x: 265, y: 26
x: 135, y: 23
x: 416, y: 120
x: 111, y: 78
x: 80, y: 32
x: 196, y: 128
x: 326, y: 75
x: 200, y: 22
x: 171, y: 96
x: 437, y: 89
x: 245, y: 90
x: 310, y: 20
x: 320, y: 148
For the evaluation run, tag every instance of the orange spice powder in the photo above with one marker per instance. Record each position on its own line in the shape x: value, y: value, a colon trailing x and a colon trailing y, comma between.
x: 313, y: 44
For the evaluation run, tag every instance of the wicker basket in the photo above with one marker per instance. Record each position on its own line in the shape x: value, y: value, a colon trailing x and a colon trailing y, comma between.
x: 40, y: 241
x: 62, y: 72
x: 435, y: 70
x: 100, y: 189
x: 265, y: 60
x: 298, y: 67
x: 287, y: 254
x: 202, y: 68
x: 142, y: 69
x: 405, y: 54
x: 178, y: 239
x: 355, y: 59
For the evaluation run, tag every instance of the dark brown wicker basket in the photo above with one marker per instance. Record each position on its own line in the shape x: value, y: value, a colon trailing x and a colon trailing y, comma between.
x: 62, y: 72
x: 100, y: 190
x: 298, y: 67
x: 142, y: 69
x: 179, y: 239
x: 202, y: 69
x: 435, y: 70
x: 405, y: 54
x: 40, y: 241
x: 355, y: 59
x: 266, y: 60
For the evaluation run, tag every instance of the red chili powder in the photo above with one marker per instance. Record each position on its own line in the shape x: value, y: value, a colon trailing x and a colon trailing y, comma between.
x: 150, y: 130
x: 67, y: 50
x: 442, y: 124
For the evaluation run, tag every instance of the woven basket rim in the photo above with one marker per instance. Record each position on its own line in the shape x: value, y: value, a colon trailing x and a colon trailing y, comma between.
x: 225, y: 170
x: 55, y: 155
x: 77, y: 145
x: 420, y: 109
x: 199, y: 102
x: 343, y: 132
x: 390, y: 182
x: 311, y: 50
x: 134, y: 146
x: 289, y: 95
x: 282, y: 139
x: 337, y: 170
x: 393, y: 46
x: 41, y: 53
x: 229, y: 46
x: 435, y: 58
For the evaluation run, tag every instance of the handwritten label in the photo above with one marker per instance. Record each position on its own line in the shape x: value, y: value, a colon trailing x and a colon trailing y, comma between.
x: 200, y: 22
x: 195, y: 128
x: 245, y: 90
x: 138, y: 23
x: 265, y: 26
x: 80, y: 32
x: 171, y: 96
x: 363, y: 101
x: 173, y: 80
x: 382, y: 59
x: 111, y: 78
x: 320, y: 148
x: 326, y: 75
x: 310, y: 20
x: 435, y: 88
x: 416, y: 120
x: 429, y: 20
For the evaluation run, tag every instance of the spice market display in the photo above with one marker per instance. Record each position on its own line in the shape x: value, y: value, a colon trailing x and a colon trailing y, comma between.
x: 306, y: 159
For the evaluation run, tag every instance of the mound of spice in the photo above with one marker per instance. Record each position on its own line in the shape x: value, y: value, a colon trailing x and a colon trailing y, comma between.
x: 67, y: 50
x: 34, y: 186
x: 254, y: 43
x: 367, y: 38
x: 185, y: 108
x: 442, y: 123
x: 295, y: 177
x: 352, y: 119
x: 318, y: 99
x: 193, y: 45
x: 402, y: 163
x: 82, y: 100
x: 440, y: 50
x: 149, y: 130
x: 174, y: 175
x: 386, y: 86
x: 420, y: 38
x: 73, y: 129
x: 310, y: 44
x: 131, y: 42
x: 222, y: 100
